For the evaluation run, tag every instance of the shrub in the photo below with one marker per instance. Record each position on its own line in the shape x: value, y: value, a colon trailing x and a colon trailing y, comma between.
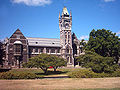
x: 116, y: 73
x: 97, y: 63
x: 11, y: 75
x: 85, y: 73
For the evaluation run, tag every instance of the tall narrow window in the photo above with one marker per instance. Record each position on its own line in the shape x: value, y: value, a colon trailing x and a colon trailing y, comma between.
x: 52, y: 50
x: 17, y: 48
x: 65, y: 41
x: 30, y: 50
x: 36, y: 50
x: 67, y: 50
x: 47, y: 50
x: 41, y: 50
x: 58, y: 50
x: 68, y: 36
x: 65, y: 36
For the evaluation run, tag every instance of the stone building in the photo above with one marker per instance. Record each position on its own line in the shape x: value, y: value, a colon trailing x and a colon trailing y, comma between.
x: 20, y: 48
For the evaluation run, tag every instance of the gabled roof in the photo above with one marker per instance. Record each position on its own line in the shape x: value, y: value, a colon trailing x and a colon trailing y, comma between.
x: 48, y: 42
x: 18, y: 33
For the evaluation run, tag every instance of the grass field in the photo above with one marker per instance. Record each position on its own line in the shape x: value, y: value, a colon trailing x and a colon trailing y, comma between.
x: 57, y: 84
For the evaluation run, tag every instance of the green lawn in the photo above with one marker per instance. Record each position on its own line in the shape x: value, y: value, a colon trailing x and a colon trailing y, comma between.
x: 40, y: 73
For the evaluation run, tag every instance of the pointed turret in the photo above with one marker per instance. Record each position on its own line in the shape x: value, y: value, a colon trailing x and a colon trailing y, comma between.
x: 65, y: 11
x: 59, y: 15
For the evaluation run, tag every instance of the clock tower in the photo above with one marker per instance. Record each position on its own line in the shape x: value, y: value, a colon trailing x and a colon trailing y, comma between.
x: 65, y: 25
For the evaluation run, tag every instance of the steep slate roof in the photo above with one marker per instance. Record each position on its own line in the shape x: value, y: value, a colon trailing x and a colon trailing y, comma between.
x: 48, y: 42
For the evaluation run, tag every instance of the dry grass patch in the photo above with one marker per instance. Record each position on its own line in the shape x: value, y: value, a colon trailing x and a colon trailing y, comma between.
x: 68, y: 83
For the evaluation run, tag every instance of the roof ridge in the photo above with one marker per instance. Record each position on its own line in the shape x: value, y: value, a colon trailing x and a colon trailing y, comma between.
x: 42, y: 38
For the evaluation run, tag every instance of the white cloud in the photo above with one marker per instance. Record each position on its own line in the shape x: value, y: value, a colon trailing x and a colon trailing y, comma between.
x: 109, y: 0
x: 33, y: 2
x: 84, y: 37
x: 118, y: 33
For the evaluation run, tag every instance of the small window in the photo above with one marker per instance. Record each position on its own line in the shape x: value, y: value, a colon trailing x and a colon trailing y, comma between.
x: 58, y: 50
x: 68, y: 41
x: 68, y: 36
x: 30, y: 50
x: 65, y: 40
x: 70, y: 60
x: 41, y: 50
x: 67, y: 50
x: 47, y: 50
x: 18, y: 36
x: 36, y: 50
x: 52, y: 50
x: 65, y: 36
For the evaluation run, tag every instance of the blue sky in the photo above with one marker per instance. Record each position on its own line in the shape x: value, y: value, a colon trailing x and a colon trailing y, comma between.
x: 39, y: 18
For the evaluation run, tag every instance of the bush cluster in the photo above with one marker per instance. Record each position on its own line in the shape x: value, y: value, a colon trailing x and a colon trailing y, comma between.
x: 85, y: 73
x: 11, y: 75
x: 97, y: 63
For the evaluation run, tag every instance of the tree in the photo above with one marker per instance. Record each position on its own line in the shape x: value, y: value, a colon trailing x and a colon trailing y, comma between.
x: 82, y: 45
x: 44, y: 61
x: 97, y: 63
x: 57, y: 62
x: 104, y: 43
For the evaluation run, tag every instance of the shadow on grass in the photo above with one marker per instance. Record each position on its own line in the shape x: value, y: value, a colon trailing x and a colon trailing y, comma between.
x: 46, y: 75
x: 52, y: 73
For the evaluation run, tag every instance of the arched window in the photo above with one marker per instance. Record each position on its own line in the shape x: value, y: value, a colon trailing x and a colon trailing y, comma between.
x: 67, y: 50
x: 17, y: 48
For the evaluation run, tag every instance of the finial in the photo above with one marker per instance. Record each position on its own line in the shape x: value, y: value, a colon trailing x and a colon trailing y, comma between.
x: 59, y: 14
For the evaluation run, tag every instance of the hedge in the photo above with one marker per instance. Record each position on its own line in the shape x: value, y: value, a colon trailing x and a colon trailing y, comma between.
x: 85, y: 73
x: 11, y: 75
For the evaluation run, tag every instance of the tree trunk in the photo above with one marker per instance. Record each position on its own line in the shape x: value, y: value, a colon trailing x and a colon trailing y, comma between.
x: 44, y: 69
x: 55, y: 69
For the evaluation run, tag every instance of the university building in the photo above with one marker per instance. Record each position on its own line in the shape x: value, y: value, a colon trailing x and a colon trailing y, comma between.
x: 20, y: 48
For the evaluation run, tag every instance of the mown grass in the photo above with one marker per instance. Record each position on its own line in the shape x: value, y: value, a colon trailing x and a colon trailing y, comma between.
x: 39, y: 73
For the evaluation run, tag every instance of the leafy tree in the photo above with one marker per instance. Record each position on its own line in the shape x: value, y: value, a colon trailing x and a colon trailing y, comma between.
x: 97, y: 63
x: 57, y: 62
x: 82, y: 45
x: 104, y: 43
x: 44, y: 61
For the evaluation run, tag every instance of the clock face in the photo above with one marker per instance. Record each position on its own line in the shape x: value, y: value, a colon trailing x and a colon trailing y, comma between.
x: 67, y: 25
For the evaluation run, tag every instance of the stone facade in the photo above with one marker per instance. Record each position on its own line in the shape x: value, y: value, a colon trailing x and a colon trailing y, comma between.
x: 20, y: 48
